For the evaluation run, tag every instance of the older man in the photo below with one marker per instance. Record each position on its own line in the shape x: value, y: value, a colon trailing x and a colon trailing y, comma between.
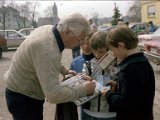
x: 34, y: 71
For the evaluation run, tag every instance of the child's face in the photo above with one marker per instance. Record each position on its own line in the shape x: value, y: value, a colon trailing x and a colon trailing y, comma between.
x: 120, y: 52
x: 99, y: 53
x: 86, y: 49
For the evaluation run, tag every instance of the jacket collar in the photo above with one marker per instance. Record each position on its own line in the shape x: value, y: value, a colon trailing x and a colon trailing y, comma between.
x: 134, y: 58
x: 58, y: 38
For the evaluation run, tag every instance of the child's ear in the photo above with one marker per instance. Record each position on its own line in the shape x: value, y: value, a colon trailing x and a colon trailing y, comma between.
x: 121, y: 45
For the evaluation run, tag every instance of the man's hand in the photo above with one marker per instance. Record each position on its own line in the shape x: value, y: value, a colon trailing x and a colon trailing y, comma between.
x: 86, y: 77
x: 72, y: 72
x: 90, y: 87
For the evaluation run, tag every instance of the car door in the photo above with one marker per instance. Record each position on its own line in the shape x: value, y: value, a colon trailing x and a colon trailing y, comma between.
x: 14, y: 39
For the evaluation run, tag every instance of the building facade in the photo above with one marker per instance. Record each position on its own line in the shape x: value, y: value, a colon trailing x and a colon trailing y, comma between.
x: 13, y: 20
x: 150, y: 11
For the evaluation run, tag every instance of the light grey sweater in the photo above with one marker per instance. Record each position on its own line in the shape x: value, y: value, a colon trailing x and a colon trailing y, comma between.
x: 35, y: 69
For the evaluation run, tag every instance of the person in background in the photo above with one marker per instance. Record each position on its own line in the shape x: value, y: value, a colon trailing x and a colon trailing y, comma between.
x: 127, y: 23
x: 98, y: 107
x: 76, y: 51
x: 151, y: 27
x: 93, y: 25
x: 34, y: 71
x: 120, y: 22
x: 132, y: 95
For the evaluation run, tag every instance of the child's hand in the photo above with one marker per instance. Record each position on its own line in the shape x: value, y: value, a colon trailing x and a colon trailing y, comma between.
x: 90, y: 87
x: 105, y: 90
x: 113, y: 84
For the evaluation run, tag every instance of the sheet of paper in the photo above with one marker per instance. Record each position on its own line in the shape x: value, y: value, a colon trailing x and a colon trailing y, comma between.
x: 106, y: 60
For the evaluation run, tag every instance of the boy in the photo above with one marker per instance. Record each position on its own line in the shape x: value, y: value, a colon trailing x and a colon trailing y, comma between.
x: 98, y: 108
x: 87, y: 55
x: 68, y: 111
x: 132, y: 95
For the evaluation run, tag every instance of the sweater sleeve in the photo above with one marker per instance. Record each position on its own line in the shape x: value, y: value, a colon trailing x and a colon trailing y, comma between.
x: 63, y: 69
x: 47, y: 68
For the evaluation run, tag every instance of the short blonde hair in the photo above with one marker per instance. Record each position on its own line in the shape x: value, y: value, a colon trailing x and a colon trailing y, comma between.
x: 76, y: 23
x: 98, y: 40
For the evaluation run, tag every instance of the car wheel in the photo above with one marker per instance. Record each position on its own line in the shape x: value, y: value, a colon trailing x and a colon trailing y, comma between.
x: 0, y: 53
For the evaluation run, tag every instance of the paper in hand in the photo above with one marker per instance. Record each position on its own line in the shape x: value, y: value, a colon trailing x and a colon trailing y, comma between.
x: 106, y: 60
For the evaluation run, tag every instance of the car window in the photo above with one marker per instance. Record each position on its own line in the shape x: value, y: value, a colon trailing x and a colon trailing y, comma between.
x: 2, y: 33
x: 12, y: 34
x: 26, y: 31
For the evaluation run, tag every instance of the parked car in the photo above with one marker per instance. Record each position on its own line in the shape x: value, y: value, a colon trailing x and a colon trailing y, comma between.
x: 139, y: 28
x: 26, y: 31
x: 148, y: 37
x: 13, y: 37
x: 3, y: 44
x: 102, y: 27
x: 107, y: 29
x: 152, y: 50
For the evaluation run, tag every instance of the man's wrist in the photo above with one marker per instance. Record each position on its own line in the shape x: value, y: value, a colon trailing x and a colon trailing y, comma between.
x: 67, y: 71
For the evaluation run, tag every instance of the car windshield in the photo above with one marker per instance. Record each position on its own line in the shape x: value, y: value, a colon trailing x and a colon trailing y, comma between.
x: 157, y: 31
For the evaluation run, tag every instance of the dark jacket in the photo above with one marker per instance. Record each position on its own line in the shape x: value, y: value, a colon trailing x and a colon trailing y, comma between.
x: 134, y: 97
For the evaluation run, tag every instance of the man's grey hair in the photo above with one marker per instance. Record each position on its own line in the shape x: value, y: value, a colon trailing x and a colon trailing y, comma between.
x: 75, y: 23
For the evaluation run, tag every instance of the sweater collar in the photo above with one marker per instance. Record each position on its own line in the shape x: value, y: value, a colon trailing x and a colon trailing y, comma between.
x: 134, y: 58
x: 58, y: 38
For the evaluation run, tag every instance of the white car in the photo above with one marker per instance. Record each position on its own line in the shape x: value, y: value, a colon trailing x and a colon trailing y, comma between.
x: 13, y: 37
x: 102, y: 27
x: 26, y: 31
x: 147, y: 37
x: 106, y: 29
x: 152, y: 50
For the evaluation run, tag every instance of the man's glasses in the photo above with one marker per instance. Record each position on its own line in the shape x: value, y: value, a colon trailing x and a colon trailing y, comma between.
x: 80, y: 40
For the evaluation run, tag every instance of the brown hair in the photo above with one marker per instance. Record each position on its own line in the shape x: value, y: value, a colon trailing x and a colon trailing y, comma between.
x: 98, y: 40
x: 122, y: 34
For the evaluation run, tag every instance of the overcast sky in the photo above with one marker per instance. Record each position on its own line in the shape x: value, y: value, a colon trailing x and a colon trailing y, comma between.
x: 87, y: 8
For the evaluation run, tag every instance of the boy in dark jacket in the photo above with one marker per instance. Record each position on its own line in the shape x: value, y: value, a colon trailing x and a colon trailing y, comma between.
x: 132, y: 95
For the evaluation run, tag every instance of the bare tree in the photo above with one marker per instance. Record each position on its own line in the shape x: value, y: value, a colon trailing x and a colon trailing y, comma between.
x: 24, y: 12
x: 134, y: 12
x: 28, y: 12
x: 33, y: 14
x: 3, y: 12
x: 49, y: 13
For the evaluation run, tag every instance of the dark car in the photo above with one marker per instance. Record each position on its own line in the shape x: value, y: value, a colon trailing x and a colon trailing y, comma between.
x: 3, y: 44
x: 139, y: 28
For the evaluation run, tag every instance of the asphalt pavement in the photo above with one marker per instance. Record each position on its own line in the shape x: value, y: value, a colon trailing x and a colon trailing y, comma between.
x: 49, y: 109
